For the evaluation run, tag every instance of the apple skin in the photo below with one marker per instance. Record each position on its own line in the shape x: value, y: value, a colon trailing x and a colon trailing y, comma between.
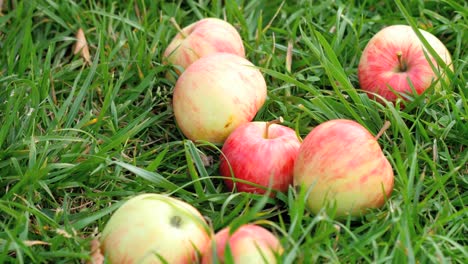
x: 216, y: 94
x: 248, y: 244
x: 146, y: 225
x: 341, y: 161
x: 379, y: 66
x: 202, y: 38
x: 256, y: 158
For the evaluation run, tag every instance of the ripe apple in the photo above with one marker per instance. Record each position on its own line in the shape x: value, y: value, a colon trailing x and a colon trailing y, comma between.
x: 149, y: 227
x: 248, y: 244
x: 394, y: 59
x: 342, y: 162
x: 216, y: 94
x: 204, y: 37
x: 260, y: 152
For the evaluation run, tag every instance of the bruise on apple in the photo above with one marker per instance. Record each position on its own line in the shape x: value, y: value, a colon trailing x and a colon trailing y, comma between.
x: 229, y: 121
x: 176, y: 221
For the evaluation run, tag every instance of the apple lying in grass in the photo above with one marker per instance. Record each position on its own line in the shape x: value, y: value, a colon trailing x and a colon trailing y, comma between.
x: 262, y: 153
x: 216, y: 94
x: 394, y: 62
x: 204, y: 37
x: 150, y: 228
x: 248, y: 244
x: 342, y: 163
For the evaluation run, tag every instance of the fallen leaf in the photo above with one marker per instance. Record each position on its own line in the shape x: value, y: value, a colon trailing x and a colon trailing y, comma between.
x: 63, y: 233
x: 206, y: 160
x: 35, y: 242
x: 81, y: 46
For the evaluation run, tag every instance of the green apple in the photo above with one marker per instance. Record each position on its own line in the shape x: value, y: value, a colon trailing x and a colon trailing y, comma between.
x: 215, y: 95
x: 153, y: 228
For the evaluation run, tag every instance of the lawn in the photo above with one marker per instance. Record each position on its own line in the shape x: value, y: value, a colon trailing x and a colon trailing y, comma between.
x: 78, y: 138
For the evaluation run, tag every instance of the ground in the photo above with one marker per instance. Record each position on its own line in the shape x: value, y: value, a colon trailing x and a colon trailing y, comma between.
x: 79, y: 135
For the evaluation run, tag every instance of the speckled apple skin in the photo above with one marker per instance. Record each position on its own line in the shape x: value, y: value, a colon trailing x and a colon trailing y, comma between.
x: 378, y: 66
x: 141, y: 228
x: 215, y: 95
x: 204, y: 37
x: 259, y: 160
x: 342, y: 162
x: 248, y: 244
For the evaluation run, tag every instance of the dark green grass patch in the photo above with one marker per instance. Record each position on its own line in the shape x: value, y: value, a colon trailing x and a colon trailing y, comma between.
x: 76, y: 140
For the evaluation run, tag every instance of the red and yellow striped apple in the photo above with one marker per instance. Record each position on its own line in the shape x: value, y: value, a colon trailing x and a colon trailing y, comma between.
x: 216, y: 94
x: 343, y: 163
x: 150, y: 228
x: 260, y: 152
x: 248, y: 244
x: 395, y: 59
x: 202, y: 38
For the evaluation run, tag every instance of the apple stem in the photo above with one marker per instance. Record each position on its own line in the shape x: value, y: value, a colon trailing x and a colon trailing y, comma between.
x: 279, y: 120
x: 383, y: 129
x: 400, y: 61
x: 176, y: 25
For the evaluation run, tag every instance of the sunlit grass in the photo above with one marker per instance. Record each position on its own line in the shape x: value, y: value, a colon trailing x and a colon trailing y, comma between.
x: 76, y: 140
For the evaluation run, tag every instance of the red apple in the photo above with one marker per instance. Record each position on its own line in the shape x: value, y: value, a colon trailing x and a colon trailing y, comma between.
x: 148, y: 227
x: 260, y: 152
x: 202, y: 38
x: 248, y: 244
x: 395, y: 59
x: 343, y: 163
x: 216, y: 94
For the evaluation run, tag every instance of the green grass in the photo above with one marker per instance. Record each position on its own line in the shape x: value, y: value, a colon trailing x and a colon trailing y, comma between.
x: 77, y: 139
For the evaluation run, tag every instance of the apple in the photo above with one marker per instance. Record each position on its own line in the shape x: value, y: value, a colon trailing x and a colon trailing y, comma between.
x: 150, y: 228
x: 216, y: 94
x: 394, y: 62
x: 262, y: 153
x: 248, y: 244
x: 344, y: 166
x: 202, y: 38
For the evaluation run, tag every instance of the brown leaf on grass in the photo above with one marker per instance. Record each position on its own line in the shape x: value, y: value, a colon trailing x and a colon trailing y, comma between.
x: 96, y: 255
x: 63, y: 233
x: 81, y: 46
x: 289, y: 53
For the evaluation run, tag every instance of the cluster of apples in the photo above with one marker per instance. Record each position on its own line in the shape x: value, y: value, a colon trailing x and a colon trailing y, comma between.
x: 156, y: 228
x: 216, y: 97
x: 218, y: 88
x: 217, y: 91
